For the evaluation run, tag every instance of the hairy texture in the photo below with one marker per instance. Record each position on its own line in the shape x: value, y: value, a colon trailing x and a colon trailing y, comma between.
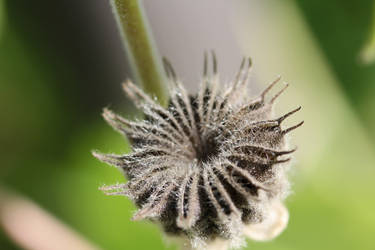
x: 209, y: 163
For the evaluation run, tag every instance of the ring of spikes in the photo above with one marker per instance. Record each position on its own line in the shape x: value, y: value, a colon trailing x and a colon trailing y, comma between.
x: 209, y: 163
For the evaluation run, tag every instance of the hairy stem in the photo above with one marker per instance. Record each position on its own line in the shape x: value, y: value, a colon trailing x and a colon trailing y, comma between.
x: 139, y: 47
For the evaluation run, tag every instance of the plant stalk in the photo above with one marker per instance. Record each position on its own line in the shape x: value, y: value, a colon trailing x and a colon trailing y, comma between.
x: 138, y: 43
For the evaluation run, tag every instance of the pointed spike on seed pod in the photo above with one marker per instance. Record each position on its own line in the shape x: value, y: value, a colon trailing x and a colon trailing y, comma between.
x: 131, y: 89
x: 124, y: 193
x: 250, y: 62
x: 247, y: 73
x: 242, y: 64
x: 118, y: 189
x: 108, y: 158
x: 240, y: 71
x: 278, y: 153
x: 249, y: 66
x: 108, y: 116
x: 214, y: 62
x: 99, y: 156
x: 279, y: 93
x: 169, y: 70
x: 282, y: 118
x: 143, y: 213
x: 238, y: 75
x: 270, y: 86
x: 268, y: 124
x: 166, y: 68
x: 205, y: 65
x: 259, y: 101
x: 292, y: 128
x: 115, y: 121
x: 115, y: 193
x: 127, y: 87
x: 112, y: 187
x: 281, y: 161
x: 136, y: 94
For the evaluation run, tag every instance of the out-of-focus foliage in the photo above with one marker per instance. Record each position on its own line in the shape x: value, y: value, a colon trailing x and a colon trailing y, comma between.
x: 53, y: 86
x: 342, y: 29
x: 1, y: 16
x: 48, y: 131
x: 367, y: 55
x: 332, y: 204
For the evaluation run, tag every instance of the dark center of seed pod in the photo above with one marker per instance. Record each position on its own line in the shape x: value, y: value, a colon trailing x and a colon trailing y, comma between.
x: 208, y: 149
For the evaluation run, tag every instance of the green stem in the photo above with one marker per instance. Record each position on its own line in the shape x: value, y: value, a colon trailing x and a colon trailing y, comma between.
x: 139, y: 47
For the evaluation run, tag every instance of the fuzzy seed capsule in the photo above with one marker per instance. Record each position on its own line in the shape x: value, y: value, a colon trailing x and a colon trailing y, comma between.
x: 209, y: 164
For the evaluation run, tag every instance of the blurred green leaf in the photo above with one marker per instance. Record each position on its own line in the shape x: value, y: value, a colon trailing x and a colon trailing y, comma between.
x: 2, y: 16
x: 105, y: 220
x: 367, y: 54
x: 29, y: 106
x: 47, y: 143
x: 342, y: 28
x: 332, y: 203
x: 325, y: 218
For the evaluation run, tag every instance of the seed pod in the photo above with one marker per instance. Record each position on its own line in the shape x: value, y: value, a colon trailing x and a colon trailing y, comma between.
x: 207, y: 165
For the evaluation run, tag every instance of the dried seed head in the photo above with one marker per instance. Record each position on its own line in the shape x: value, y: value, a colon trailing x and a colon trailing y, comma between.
x: 207, y: 165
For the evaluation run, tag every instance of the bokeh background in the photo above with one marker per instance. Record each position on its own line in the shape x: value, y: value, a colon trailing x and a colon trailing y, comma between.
x: 61, y: 62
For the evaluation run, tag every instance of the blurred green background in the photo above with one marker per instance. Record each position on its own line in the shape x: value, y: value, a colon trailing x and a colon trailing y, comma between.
x: 61, y: 62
